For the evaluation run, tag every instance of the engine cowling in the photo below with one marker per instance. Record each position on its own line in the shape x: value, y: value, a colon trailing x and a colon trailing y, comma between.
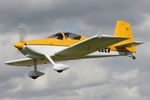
x: 60, y: 67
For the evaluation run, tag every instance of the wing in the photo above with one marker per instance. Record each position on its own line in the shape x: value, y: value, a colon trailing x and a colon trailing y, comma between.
x: 90, y: 45
x: 20, y: 62
x: 26, y: 62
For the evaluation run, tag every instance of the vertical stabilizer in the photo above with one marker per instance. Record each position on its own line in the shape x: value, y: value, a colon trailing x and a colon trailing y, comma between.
x: 123, y: 29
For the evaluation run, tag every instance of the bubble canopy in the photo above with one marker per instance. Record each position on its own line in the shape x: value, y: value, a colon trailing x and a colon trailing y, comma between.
x: 68, y: 35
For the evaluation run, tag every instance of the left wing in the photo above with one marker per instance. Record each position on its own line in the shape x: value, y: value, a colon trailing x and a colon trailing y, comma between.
x: 20, y: 62
x: 90, y: 45
x: 25, y: 62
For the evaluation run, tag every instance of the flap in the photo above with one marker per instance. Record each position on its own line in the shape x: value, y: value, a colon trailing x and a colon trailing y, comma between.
x: 90, y: 45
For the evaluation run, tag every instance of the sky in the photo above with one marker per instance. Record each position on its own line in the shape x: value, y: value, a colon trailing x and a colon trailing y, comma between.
x: 117, y: 78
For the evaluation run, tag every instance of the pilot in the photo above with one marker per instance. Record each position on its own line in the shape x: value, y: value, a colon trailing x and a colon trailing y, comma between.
x: 66, y: 36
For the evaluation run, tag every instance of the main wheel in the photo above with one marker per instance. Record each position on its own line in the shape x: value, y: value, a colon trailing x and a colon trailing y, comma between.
x: 133, y: 57
x: 34, y: 77
x: 59, y: 71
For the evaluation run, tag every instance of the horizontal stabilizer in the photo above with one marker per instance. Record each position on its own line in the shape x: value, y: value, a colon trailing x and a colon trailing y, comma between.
x: 130, y: 44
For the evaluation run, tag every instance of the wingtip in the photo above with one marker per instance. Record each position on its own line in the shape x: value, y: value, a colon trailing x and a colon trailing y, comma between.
x: 8, y: 62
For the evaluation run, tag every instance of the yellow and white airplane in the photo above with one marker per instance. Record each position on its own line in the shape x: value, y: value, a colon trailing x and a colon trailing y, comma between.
x: 64, y: 46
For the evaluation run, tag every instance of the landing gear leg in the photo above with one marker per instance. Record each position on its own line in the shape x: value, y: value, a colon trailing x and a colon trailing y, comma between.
x: 50, y: 59
x: 35, y: 74
x: 35, y: 65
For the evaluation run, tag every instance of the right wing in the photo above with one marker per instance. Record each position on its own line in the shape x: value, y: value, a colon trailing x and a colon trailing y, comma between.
x: 89, y: 45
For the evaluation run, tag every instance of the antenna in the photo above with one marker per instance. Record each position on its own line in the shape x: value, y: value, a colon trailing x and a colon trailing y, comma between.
x: 100, y: 32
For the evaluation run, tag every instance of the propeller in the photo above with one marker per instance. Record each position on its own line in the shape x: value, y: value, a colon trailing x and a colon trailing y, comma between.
x: 22, y: 32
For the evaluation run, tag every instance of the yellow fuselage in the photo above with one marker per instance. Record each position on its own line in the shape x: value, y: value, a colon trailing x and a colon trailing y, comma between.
x: 50, y: 41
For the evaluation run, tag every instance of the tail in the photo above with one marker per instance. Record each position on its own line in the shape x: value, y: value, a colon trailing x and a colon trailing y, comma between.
x: 123, y: 29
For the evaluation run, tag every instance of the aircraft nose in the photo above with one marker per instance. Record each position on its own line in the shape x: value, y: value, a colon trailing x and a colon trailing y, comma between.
x: 19, y: 45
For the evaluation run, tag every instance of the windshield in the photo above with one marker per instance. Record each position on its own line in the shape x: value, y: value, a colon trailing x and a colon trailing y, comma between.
x: 57, y: 36
x: 69, y: 35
